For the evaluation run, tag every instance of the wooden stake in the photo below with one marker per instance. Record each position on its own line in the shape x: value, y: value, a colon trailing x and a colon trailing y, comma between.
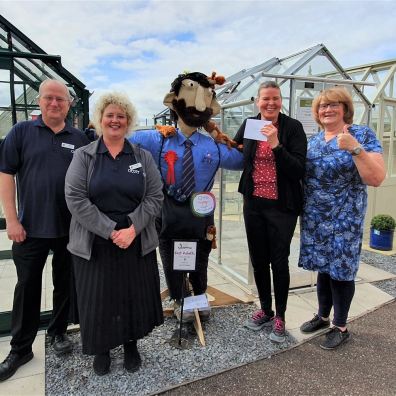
x: 198, y: 328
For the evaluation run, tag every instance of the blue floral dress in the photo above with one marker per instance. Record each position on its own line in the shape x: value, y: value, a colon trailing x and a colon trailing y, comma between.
x: 335, y: 201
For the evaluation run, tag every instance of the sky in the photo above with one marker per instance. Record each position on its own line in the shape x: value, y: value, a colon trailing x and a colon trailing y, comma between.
x: 139, y: 47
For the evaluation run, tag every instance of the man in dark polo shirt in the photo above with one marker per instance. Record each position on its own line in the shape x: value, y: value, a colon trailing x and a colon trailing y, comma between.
x: 38, y: 153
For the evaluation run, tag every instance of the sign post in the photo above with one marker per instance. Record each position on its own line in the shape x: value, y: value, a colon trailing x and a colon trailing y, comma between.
x: 184, y: 259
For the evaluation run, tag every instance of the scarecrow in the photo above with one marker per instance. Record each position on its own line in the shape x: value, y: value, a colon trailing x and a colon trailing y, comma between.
x: 188, y: 160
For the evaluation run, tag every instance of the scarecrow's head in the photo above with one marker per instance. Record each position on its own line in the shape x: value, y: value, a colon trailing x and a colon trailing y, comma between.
x: 192, y: 99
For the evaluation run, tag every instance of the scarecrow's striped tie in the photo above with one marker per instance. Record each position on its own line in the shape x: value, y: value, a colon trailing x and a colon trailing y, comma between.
x: 188, y: 183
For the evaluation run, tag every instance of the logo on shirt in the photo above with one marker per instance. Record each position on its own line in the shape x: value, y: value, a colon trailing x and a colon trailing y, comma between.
x: 133, y: 168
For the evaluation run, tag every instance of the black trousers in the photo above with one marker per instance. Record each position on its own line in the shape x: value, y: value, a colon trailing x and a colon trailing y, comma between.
x: 269, y: 233
x: 337, y: 294
x: 29, y: 258
x: 174, y: 279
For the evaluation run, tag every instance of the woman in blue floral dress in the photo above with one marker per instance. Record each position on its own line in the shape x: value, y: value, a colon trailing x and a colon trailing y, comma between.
x: 342, y: 160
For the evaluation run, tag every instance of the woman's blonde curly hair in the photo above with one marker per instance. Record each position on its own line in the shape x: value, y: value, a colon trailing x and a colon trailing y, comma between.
x: 118, y: 99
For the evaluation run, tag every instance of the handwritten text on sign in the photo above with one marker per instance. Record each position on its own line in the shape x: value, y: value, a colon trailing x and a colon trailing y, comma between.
x: 184, y: 255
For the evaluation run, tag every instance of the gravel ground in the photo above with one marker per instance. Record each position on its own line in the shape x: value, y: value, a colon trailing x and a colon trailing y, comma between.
x: 229, y: 344
x: 386, y: 263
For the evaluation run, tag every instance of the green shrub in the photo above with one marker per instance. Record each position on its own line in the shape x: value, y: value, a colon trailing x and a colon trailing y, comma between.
x: 383, y: 222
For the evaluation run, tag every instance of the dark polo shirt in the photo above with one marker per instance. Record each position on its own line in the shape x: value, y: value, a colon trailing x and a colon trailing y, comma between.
x: 117, y: 185
x: 39, y: 158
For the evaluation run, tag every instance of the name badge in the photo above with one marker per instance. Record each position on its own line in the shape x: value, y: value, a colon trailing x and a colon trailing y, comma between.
x: 67, y: 145
x: 135, y: 166
x: 203, y: 204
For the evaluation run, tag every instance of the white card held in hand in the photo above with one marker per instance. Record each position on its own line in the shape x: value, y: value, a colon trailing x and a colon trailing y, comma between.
x: 253, y: 127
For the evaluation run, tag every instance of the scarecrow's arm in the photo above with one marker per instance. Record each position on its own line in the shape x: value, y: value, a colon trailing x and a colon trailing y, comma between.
x: 219, y: 136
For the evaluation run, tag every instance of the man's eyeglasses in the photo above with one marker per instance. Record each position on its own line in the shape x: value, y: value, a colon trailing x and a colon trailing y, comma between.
x: 58, y: 99
x: 333, y: 105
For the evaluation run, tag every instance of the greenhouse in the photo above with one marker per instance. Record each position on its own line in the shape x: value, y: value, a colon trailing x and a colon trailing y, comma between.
x: 301, y: 77
x: 23, y: 66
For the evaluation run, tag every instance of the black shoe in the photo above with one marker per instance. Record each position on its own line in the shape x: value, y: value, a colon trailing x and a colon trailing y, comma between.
x: 316, y: 323
x: 11, y: 364
x: 334, y: 338
x: 101, y: 363
x: 132, y: 359
x: 61, y: 344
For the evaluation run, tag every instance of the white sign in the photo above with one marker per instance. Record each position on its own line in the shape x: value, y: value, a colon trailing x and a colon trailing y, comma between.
x: 184, y: 255
x: 253, y: 127
x: 195, y: 302
x: 304, y: 115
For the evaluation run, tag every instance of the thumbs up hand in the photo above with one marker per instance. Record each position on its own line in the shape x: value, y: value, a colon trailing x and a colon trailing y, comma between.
x: 345, y: 140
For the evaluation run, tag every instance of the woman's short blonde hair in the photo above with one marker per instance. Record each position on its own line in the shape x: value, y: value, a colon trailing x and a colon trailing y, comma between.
x: 336, y: 94
x: 118, y: 99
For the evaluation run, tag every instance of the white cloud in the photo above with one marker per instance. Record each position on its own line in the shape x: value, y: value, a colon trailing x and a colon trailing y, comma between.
x: 140, y: 47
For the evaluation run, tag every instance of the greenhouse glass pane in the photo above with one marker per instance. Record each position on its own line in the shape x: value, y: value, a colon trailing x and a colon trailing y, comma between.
x: 248, y: 92
x: 4, y: 75
x: 318, y: 65
x: 287, y: 63
x: 374, y: 124
x: 5, y: 98
x: 21, y: 116
x: 5, y: 122
x: 38, y: 74
x: 3, y: 42
x: 18, y: 90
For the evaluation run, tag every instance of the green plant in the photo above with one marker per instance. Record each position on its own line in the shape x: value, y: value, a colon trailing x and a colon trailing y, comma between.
x: 383, y: 222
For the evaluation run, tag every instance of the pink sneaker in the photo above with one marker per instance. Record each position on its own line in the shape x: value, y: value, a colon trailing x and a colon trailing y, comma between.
x: 258, y: 320
x: 278, y: 333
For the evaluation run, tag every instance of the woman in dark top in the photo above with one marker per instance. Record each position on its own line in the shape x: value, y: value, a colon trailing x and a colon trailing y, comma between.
x: 271, y: 186
x: 114, y: 192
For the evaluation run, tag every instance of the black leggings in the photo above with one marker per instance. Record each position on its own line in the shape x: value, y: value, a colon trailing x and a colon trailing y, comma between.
x: 334, y: 293
x: 269, y: 233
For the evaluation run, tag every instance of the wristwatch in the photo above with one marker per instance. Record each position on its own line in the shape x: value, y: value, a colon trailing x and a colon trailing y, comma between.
x: 357, y: 150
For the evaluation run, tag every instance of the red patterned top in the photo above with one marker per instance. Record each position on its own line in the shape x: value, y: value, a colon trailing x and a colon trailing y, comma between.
x: 264, y: 171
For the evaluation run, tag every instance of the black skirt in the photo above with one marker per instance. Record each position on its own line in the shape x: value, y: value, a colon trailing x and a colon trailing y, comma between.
x: 118, y: 295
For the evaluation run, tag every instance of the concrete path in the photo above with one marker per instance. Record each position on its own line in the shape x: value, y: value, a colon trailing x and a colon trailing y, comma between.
x: 364, y: 366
